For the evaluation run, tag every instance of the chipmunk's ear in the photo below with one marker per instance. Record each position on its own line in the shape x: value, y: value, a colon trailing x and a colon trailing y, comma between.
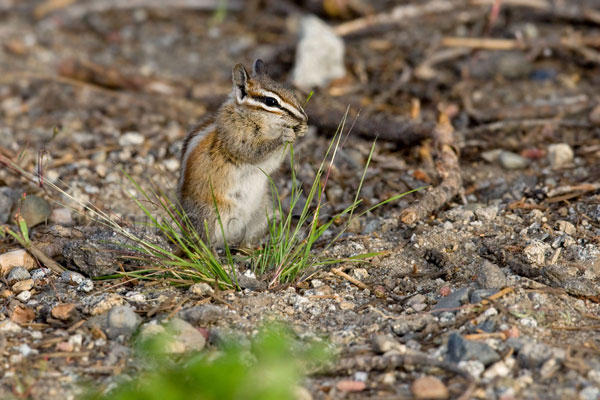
x: 240, y: 82
x: 259, y: 67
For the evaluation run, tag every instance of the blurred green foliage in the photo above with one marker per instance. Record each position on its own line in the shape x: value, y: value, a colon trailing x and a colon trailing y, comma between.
x: 269, y: 367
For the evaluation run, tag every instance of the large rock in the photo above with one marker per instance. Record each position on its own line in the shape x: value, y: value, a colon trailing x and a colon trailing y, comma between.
x: 319, y: 56
x: 122, y: 320
x: 35, y: 210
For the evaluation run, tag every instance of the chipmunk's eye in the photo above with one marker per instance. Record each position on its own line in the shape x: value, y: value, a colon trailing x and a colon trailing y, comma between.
x: 271, y: 102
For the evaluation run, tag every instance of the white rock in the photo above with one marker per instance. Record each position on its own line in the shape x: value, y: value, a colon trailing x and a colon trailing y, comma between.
x: 566, y: 227
x: 171, y: 164
x: 61, y: 216
x: 536, y: 252
x: 500, y: 369
x: 560, y: 155
x: 15, y: 258
x: 360, y: 273
x: 319, y: 56
x: 201, y: 289
x: 7, y: 326
x: 474, y: 367
x: 510, y: 160
x: 24, y: 296
x: 131, y: 139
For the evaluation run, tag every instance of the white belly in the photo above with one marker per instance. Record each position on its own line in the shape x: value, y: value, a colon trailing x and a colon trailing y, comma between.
x: 247, y: 192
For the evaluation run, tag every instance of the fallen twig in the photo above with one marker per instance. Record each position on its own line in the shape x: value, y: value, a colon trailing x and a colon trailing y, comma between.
x: 327, y: 114
x: 575, y: 42
x: 567, y: 189
x: 512, y: 124
x: 566, y: 10
x: 43, y: 258
x: 344, y: 275
x: 397, y: 15
x: 448, y: 169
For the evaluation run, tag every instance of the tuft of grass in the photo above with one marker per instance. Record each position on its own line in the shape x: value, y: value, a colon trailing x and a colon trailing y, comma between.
x: 288, y: 251
x: 269, y: 368
x: 192, y: 253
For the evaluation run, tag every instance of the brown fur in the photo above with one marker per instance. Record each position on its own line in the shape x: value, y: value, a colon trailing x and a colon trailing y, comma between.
x: 225, y: 166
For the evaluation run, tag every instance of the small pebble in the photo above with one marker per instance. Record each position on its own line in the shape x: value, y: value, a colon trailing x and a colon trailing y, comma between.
x: 500, y: 369
x: 560, y: 155
x: 39, y: 273
x: 8, y: 326
x: 171, y: 164
x: 532, y: 355
x: 201, y: 289
x: 61, y: 216
x: 87, y: 285
x: 350, y: 386
x: 490, y: 276
x: 24, y: 296
x: 131, y: 139
x: 17, y: 274
x: 360, y: 273
x: 566, y: 227
x: 122, y: 320
x: 429, y: 387
x: 71, y: 277
x: 64, y: 311
x: 510, y: 160
x: 486, y: 213
x: 361, y: 376
x: 590, y: 393
x: 528, y: 322
x: 21, y: 286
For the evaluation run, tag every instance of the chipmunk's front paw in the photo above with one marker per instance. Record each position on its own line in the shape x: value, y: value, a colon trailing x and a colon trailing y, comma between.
x: 288, y: 136
x: 300, y: 129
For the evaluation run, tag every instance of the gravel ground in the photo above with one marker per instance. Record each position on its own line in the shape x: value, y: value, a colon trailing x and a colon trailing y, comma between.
x: 503, y: 282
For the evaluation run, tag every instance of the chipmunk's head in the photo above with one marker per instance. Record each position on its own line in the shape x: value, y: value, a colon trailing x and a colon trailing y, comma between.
x: 271, y: 102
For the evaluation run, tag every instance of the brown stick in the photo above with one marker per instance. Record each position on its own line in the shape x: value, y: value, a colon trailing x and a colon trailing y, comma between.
x: 448, y: 169
x: 512, y: 124
x: 397, y: 15
x: 327, y: 114
x: 574, y: 42
x: 342, y: 274
x: 570, y: 10
x: 43, y: 258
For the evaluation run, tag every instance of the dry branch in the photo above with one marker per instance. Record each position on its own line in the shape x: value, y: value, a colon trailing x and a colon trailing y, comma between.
x: 575, y: 42
x: 448, y: 169
x: 397, y: 15
x: 327, y: 113
x: 569, y: 10
x: 512, y: 124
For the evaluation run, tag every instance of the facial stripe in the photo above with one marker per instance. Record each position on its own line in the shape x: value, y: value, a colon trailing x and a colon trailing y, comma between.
x: 251, y: 102
x: 286, y: 105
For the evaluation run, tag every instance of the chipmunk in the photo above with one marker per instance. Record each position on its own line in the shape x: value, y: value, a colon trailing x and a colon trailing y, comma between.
x: 226, y: 160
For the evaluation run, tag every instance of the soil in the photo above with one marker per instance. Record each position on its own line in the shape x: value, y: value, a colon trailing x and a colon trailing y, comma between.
x: 502, y: 281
